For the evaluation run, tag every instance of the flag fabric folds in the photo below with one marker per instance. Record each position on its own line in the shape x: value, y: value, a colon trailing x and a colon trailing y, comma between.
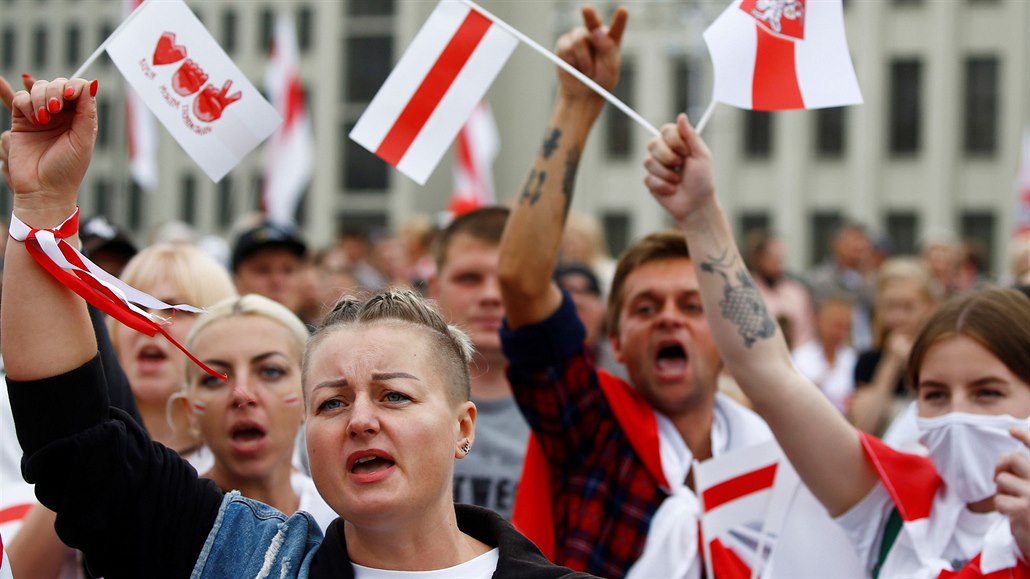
x: 773, y: 55
x: 474, y: 154
x: 290, y: 151
x: 431, y: 92
x: 191, y: 85
x: 140, y: 130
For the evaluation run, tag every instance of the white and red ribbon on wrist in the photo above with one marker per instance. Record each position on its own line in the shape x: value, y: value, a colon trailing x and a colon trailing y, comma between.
x: 111, y: 295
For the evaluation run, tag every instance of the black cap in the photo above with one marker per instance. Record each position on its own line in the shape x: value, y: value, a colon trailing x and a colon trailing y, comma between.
x: 264, y: 236
x: 98, y: 234
x: 593, y: 285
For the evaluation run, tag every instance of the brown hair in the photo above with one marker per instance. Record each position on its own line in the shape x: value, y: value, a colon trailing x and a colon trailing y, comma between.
x: 484, y: 224
x: 668, y: 244
x: 407, y: 308
x: 996, y: 318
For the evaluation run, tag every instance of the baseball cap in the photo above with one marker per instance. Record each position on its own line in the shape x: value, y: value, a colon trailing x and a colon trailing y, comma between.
x: 263, y: 236
x: 98, y: 235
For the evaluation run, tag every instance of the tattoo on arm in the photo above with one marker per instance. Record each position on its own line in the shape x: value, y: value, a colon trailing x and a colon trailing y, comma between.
x: 529, y: 194
x: 551, y: 143
x: 741, y: 303
x: 568, y: 182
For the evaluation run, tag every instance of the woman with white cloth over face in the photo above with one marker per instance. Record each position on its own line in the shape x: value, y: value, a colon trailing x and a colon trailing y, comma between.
x: 966, y: 507
x: 385, y: 398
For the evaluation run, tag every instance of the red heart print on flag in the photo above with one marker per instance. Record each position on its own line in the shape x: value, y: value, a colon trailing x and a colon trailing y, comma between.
x: 167, y: 51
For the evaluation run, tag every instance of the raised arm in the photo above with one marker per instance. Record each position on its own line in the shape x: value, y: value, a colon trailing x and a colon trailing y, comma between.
x: 822, y: 446
x: 46, y: 327
x: 529, y: 248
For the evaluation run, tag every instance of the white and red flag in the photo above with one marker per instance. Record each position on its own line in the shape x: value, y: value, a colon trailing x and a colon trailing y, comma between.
x: 191, y: 85
x: 1022, y: 226
x: 431, y: 92
x: 474, y: 154
x: 139, y: 127
x: 773, y: 55
x: 290, y: 151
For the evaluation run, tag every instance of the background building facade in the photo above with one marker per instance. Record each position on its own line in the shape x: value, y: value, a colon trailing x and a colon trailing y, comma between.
x: 934, y: 149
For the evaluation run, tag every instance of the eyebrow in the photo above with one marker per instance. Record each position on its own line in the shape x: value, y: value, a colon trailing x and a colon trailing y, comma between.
x: 378, y: 377
x: 258, y: 358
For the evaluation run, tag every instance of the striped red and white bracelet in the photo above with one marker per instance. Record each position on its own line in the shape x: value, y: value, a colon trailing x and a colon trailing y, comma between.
x: 111, y: 295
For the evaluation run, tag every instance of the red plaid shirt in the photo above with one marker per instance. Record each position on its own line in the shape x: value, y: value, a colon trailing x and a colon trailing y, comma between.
x: 603, y: 496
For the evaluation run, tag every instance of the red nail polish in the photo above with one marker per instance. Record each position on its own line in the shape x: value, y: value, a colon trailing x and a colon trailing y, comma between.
x: 93, y: 87
x: 43, y: 115
x: 26, y: 75
x: 68, y: 92
x: 53, y: 105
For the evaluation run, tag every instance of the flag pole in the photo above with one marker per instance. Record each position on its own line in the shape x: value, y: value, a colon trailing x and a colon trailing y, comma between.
x: 103, y: 45
x: 567, y: 68
x: 705, y: 117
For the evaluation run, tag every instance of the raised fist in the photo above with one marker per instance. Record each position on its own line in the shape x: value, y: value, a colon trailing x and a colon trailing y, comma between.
x: 189, y: 78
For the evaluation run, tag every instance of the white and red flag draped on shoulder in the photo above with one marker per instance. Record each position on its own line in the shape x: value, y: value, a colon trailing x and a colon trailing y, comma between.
x: 773, y: 55
x: 474, y: 154
x: 1022, y: 226
x: 191, y: 85
x: 437, y: 83
x: 290, y: 151
x: 5, y: 564
x: 140, y: 131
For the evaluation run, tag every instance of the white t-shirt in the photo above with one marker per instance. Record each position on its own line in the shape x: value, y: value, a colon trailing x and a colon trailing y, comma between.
x: 482, y: 567
x: 837, y: 382
x: 311, y: 502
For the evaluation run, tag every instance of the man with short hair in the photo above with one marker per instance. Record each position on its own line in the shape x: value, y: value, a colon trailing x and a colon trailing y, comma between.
x: 608, y: 482
x: 268, y: 260
x: 465, y: 287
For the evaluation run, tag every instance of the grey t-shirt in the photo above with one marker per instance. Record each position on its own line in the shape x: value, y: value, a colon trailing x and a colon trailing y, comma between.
x: 489, y: 475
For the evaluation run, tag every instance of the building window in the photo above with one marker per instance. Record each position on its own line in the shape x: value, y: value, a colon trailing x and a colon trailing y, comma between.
x: 757, y: 134
x: 73, y: 50
x: 225, y: 202
x: 902, y: 227
x: 981, y: 105
x: 749, y: 221
x: 825, y: 225
x: 106, y: 29
x: 362, y: 171
x: 619, y: 135
x: 681, y: 85
x: 829, y: 133
x: 267, y: 30
x: 906, y: 3
x: 305, y: 27
x: 616, y: 231
x: 135, y: 208
x: 905, y: 106
x: 188, y: 201
x: 229, y: 24
x: 370, y: 7
x: 368, y: 63
x: 104, y: 124
x: 39, y: 47
x: 102, y: 198
x: 8, y: 47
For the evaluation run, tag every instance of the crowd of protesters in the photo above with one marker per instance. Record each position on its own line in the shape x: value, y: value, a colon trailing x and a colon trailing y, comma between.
x: 503, y: 359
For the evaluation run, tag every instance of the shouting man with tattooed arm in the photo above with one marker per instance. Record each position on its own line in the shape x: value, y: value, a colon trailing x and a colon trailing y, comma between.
x: 597, y: 493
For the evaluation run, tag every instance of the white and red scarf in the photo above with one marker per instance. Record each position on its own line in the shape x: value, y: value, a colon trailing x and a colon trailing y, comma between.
x: 928, y: 515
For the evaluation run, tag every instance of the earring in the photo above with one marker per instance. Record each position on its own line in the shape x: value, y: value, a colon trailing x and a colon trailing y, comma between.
x: 466, y: 447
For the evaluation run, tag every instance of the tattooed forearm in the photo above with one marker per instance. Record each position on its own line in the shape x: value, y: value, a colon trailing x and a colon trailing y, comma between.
x: 551, y: 143
x: 534, y: 185
x: 568, y: 181
x: 741, y: 303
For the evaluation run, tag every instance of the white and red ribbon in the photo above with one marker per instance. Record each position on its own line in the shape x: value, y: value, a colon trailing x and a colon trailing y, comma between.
x: 114, y: 297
